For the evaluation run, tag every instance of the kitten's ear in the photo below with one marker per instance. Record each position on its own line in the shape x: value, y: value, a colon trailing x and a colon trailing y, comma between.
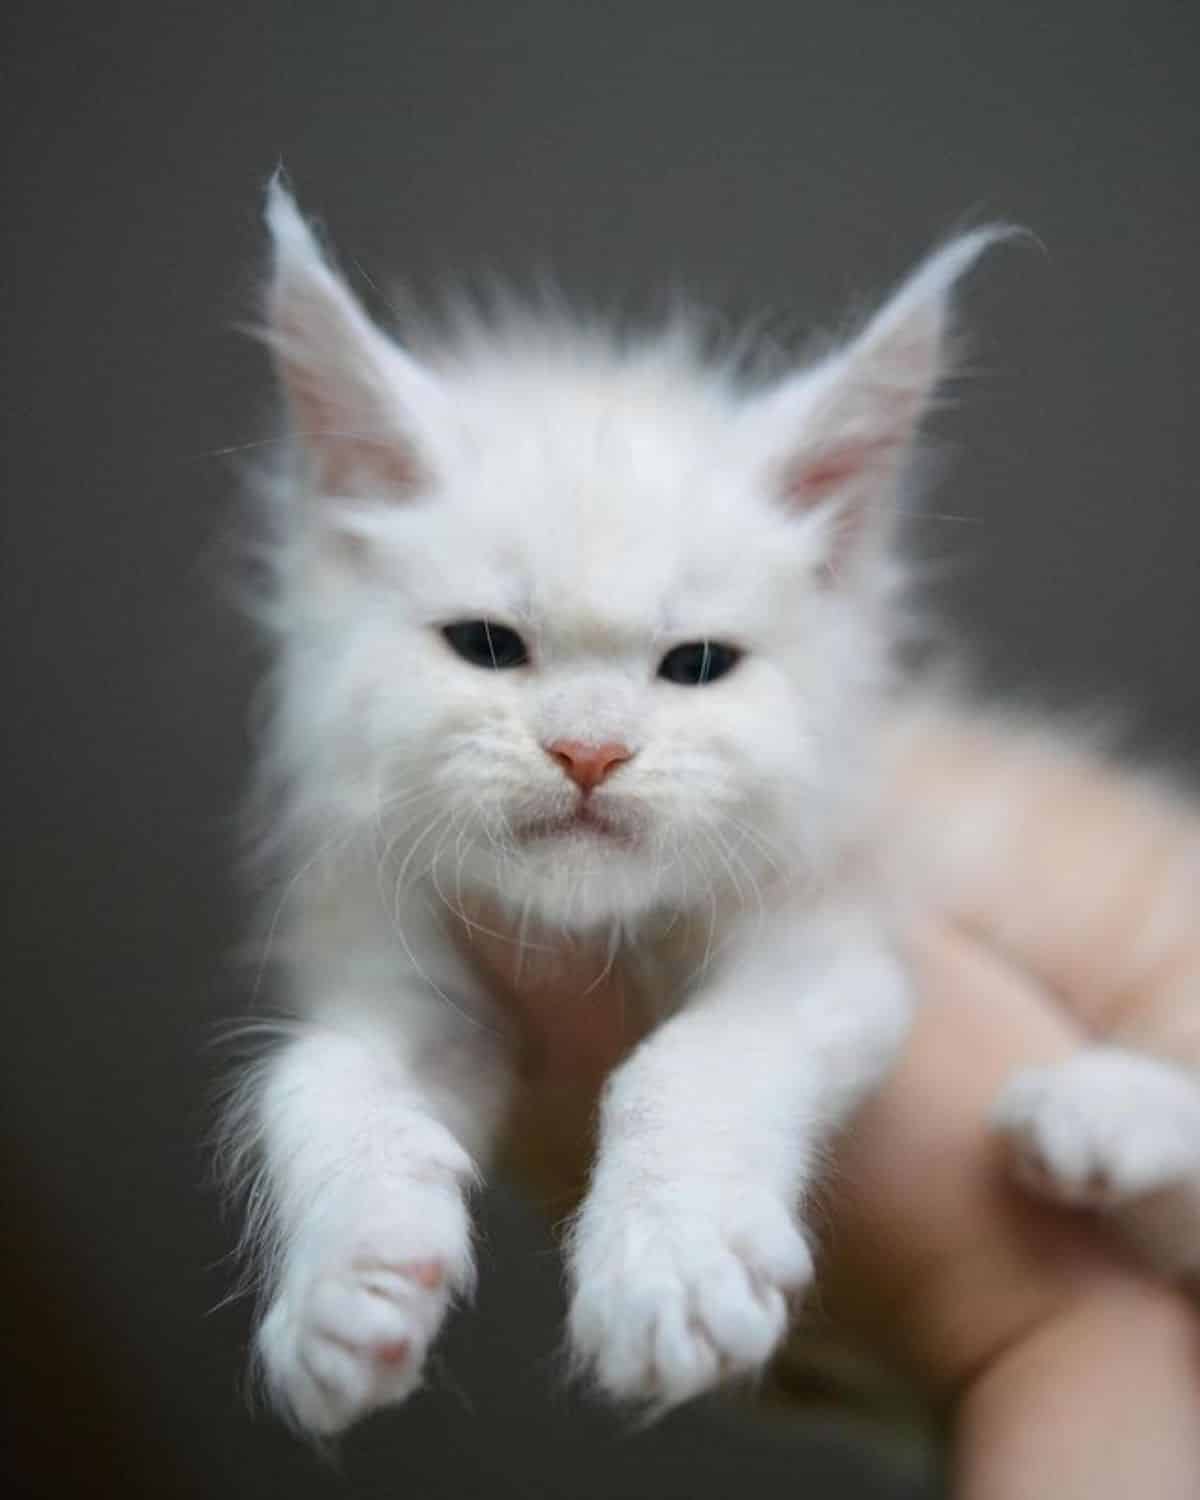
x: 356, y: 400
x: 837, y: 435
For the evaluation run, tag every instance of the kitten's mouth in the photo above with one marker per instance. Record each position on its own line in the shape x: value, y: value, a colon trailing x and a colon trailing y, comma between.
x: 584, y: 822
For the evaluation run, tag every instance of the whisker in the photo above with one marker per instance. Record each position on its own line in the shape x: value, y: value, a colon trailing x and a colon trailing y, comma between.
x: 285, y: 438
x: 434, y: 876
x: 335, y: 841
x: 712, y: 832
x: 770, y: 852
x: 611, y: 949
x: 751, y: 878
x: 402, y: 936
x: 399, y: 886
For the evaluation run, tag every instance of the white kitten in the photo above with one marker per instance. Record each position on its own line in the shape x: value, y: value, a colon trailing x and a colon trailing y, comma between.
x: 584, y: 638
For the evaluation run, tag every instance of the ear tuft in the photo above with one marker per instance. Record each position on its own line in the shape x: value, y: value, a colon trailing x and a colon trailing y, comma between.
x: 282, y: 216
x: 838, y: 434
x: 354, y: 396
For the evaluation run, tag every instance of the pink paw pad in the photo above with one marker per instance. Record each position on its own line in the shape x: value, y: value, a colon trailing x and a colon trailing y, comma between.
x: 394, y: 1353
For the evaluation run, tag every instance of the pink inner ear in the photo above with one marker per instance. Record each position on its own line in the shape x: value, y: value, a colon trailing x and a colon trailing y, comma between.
x: 809, y: 480
x: 379, y: 463
x: 342, y: 454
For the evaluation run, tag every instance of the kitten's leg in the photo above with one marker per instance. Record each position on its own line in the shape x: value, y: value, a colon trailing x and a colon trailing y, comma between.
x: 687, y: 1248
x: 368, y: 1123
x: 1114, y: 1130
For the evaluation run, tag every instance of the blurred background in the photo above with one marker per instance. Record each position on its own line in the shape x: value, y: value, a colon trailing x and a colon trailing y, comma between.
x: 774, y: 155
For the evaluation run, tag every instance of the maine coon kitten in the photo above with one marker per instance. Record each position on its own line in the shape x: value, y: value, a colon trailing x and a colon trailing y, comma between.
x: 583, y: 649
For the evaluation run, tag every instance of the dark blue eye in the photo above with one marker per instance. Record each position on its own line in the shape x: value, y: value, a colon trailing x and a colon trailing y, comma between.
x: 697, y: 662
x: 485, y: 644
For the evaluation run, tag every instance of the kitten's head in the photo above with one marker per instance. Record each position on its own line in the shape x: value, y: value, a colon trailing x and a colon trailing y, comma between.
x: 589, y: 622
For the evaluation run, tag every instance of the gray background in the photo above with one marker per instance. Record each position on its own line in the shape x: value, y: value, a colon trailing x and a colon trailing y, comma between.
x: 782, y: 155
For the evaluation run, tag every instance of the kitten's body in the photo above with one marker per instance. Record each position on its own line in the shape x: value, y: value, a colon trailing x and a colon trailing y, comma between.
x: 649, y: 786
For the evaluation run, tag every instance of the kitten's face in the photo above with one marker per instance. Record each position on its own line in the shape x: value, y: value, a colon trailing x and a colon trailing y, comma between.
x: 582, y: 626
x: 601, y: 556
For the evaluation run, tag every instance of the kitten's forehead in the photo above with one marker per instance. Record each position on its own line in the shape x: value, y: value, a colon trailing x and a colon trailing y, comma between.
x: 616, y: 556
x: 626, y: 419
x: 610, y: 492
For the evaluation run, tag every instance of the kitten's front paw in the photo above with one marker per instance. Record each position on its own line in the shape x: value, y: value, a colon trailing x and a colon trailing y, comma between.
x: 351, y: 1325
x: 1101, y: 1128
x: 676, y: 1293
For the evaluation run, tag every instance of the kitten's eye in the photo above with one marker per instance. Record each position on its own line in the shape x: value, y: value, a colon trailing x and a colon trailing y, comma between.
x: 697, y: 662
x: 485, y: 644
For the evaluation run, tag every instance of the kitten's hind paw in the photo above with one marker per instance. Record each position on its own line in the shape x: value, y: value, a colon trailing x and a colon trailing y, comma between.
x: 1103, y: 1128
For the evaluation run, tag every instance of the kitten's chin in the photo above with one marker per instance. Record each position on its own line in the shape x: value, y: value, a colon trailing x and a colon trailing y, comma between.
x: 575, y: 875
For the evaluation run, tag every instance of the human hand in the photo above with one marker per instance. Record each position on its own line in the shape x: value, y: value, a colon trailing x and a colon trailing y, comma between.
x: 1068, y: 1369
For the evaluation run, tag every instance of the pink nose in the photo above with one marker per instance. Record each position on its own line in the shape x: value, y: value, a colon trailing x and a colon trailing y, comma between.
x: 588, y: 765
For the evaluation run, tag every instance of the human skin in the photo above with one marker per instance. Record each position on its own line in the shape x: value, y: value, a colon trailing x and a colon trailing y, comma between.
x: 1066, y: 1370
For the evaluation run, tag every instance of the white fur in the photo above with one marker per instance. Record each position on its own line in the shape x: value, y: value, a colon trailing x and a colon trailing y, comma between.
x: 1104, y: 1127
x: 609, y: 498
x: 686, y: 1248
